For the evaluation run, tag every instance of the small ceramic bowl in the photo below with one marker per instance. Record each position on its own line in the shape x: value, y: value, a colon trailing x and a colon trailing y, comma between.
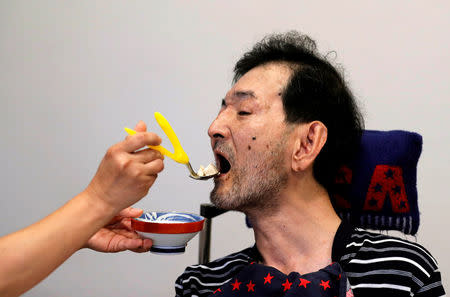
x: 170, y: 231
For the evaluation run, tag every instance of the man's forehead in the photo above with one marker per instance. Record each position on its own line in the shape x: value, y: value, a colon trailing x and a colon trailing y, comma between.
x: 266, y: 79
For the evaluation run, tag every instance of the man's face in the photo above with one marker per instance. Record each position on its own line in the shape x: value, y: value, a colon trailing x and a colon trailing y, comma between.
x: 250, y: 141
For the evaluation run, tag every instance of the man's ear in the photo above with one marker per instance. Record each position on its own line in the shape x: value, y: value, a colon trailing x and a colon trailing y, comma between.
x: 311, y: 138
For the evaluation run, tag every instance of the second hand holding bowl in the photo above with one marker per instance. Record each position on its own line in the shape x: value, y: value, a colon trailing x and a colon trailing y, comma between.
x: 179, y: 155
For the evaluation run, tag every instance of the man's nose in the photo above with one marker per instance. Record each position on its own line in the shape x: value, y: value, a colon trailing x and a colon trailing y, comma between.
x: 219, y: 127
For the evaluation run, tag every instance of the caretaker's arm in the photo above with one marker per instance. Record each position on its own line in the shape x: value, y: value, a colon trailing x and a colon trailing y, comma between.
x: 91, y: 219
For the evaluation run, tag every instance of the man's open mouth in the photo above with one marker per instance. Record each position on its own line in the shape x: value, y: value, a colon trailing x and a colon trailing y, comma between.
x: 223, y: 164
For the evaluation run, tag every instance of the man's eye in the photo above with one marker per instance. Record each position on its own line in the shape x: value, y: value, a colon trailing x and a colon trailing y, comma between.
x: 243, y: 113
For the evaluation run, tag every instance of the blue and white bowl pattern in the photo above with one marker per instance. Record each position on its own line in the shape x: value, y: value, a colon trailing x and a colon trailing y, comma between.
x: 169, y: 217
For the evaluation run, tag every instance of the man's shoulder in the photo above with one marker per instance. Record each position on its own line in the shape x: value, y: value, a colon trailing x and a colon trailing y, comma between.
x: 371, y: 246
x: 205, y: 278
x: 369, y: 254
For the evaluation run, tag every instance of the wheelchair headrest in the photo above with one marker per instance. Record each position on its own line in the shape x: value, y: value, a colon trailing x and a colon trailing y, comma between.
x: 378, y: 190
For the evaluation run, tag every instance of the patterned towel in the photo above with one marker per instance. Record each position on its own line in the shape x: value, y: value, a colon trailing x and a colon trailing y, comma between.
x: 260, y: 280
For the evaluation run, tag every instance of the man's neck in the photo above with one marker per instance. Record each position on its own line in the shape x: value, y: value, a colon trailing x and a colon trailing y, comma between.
x: 298, y: 235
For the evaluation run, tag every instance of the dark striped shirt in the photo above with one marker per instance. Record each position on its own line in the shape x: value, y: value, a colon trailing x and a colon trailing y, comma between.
x: 376, y: 265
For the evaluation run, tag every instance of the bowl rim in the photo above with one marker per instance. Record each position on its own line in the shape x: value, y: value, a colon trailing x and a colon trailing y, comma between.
x: 168, y: 227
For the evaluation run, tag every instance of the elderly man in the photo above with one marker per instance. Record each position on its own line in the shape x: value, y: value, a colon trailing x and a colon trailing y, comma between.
x: 285, y: 127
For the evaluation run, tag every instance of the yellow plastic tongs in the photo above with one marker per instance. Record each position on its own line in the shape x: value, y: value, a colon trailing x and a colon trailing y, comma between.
x: 179, y: 155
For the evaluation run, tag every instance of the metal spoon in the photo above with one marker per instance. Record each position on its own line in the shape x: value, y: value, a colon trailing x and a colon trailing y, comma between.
x: 194, y: 175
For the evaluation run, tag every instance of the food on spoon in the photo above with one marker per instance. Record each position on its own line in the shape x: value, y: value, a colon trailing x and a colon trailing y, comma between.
x: 209, y: 170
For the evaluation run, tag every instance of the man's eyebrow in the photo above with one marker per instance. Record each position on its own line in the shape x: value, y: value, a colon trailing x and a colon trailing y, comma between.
x: 240, y: 95
x: 244, y: 94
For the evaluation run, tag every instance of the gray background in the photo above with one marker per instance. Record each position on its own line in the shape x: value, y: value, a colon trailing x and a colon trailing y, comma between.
x: 74, y: 73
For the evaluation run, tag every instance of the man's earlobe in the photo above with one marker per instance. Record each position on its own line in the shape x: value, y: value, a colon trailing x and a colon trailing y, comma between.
x: 311, y: 138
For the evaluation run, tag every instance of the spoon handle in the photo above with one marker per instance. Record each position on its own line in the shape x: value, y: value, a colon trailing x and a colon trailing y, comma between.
x: 179, y: 155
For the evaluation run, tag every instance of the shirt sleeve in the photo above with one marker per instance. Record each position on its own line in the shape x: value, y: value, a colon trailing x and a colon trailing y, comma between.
x: 432, y: 287
x: 179, y: 287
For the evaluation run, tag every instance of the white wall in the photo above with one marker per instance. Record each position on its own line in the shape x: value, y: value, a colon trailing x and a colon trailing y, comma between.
x: 74, y: 73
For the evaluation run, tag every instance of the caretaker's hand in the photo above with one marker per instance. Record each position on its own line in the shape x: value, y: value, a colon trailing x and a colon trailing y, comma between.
x: 117, y: 235
x: 125, y: 175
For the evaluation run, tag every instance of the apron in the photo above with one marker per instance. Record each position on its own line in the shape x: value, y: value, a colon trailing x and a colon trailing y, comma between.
x: 265, y: 281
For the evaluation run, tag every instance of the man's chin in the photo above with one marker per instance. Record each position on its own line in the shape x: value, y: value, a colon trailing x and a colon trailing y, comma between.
x: 222, y: 201
x: 226, y: 202
x: 218, y: 201
x: 228, y: 197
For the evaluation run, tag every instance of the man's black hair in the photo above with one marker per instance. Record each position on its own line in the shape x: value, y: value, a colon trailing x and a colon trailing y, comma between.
x: 315, y: 91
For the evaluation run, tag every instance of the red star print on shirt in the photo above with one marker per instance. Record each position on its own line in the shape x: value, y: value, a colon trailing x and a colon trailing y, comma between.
x: 218, y: 290
x: 236, y: 285
x: 268, y: 279
x: 303, y: 282
x: 325, y: 285
x: 251, y: 287
x: 287, y: 285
